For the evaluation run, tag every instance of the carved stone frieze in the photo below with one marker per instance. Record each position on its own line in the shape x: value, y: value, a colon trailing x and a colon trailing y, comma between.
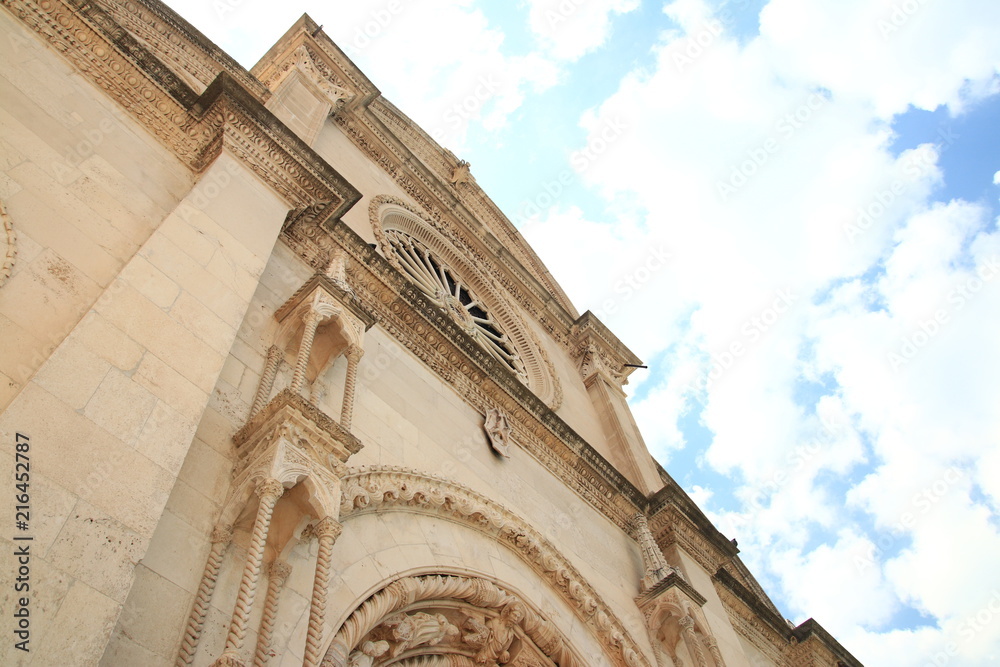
x: 374, y: 489
x: 486, y: 642
x: 188, y: 54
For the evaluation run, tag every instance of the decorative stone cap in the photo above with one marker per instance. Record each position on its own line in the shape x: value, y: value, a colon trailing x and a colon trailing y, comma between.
x: 321, y: 282
x: 290, y: 414
x: 599, y: 351
x: 671, y: 581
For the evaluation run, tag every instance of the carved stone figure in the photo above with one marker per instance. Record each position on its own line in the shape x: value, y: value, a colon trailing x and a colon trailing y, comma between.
x: 365, y: 657
x: 497, y: 645
x: 498, y: 429
x: 404, y: 632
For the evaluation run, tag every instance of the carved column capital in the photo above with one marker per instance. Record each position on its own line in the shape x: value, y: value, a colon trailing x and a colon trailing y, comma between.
x: 269, y: 490
x: 686, y: 623
x: 354, y: 353
x: 222, y: 535
x: 328, y: 527
x: 279, y: 571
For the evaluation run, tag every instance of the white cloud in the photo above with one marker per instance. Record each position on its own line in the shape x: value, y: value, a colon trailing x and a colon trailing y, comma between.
x: 759, y: 169
x: 766, y: 167
x: 569, y: 29
x: 447, y: 83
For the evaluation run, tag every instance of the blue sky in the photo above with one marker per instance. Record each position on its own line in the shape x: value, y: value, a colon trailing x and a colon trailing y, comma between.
x: 788, y: 209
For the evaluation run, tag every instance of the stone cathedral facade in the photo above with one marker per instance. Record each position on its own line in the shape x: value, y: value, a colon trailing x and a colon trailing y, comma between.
x: 280, y: 385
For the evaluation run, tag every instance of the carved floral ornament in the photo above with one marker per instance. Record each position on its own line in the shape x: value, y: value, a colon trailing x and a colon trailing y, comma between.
x: 11, y: 248
x: 368, y: 490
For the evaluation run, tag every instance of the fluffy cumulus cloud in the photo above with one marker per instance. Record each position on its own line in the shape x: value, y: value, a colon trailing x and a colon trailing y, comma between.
x: 831, y: 324
x: 571, y: 28
x: 806, y: 293
x: 469, y: 76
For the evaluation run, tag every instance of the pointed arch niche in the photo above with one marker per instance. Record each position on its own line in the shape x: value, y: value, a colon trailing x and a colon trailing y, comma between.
x: 451, y: 277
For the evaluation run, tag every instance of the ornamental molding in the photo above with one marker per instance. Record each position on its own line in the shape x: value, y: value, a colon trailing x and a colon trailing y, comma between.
x: 386, y: 211
x: 430, y: 194
x: 481, y: 621
x: 599, y: 353
x: 325, y: 56
x: 470, y: 199
x: 748, y: 626
x: 305, y: 61
x: 194, y: 127
x: 10, y: 252
x: 371, y: 490
x: 404, y: 313
x: 178, y: 45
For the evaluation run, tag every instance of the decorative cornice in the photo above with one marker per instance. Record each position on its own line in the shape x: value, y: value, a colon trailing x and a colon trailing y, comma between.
x: 469, y: 202
x: 180, y: 45
x: 368, y: 490
x: 194, y: 128
x: 672, y: 580
x: 403, y: 311
x: 430, y: 192
x: 288, y: 406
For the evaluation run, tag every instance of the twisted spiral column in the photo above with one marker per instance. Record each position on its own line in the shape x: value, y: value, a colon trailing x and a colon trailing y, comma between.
x: 268, y: 490
x: 266, y: 379
x: 312, y: 320
x: 713, y: 649
x: 327, y: 531
x: 354, y: 354
x: 278, y: 574
x: 694, y: 646
x: 221, y: 537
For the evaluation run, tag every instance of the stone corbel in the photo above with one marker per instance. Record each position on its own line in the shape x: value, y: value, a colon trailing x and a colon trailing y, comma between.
x: 599, y: 354
x: 498, y: 429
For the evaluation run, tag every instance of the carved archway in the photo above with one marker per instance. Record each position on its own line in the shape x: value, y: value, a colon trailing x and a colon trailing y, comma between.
x: 376, y: 490
x: 446, y: 619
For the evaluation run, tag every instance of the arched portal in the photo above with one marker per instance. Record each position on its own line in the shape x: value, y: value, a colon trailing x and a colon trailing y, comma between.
x: 450, y: 620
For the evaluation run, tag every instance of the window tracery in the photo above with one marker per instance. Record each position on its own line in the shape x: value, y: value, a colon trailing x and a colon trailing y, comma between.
x: 446, y: 287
